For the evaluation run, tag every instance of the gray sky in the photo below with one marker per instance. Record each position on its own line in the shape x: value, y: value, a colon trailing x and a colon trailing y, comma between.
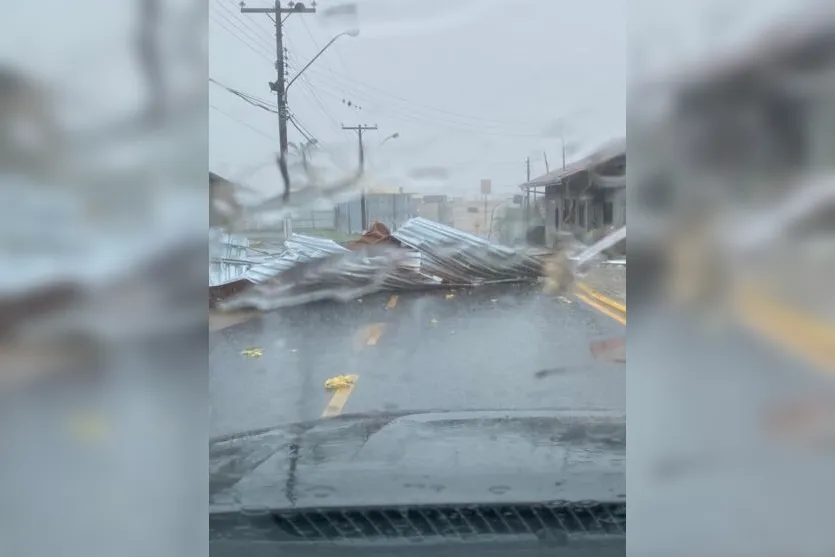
x: 473, y: 86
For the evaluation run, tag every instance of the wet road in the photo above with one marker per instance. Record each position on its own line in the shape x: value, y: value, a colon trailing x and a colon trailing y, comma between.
x: 500, y: 347
x: 717, y: 465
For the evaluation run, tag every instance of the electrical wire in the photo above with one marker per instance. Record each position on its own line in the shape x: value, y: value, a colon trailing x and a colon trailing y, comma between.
x: 298, y: 127
x: 238, y: 37
x: 241, y: 122
x: 410, y: 116
x: 254, y: 101
x: 373, y: 91
x: 314, y: 96
x: 245, y: 25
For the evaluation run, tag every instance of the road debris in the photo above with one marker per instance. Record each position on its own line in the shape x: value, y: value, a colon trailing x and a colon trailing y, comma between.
x: 420, y: 254
x: 340, y: 382
x: 252, y: 352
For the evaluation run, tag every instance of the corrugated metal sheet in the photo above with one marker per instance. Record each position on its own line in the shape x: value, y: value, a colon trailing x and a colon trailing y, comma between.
x: 463, y: 258
x: 229, y: 257
x: 433, y: 254
x: 298, y: 249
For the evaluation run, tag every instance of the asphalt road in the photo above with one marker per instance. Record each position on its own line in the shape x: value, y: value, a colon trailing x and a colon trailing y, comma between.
x: 499, y: 347
x: 730, y: 442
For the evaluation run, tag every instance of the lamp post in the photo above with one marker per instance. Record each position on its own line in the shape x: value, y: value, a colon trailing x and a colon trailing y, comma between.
x: 349, y: 33
x: 392, y: 136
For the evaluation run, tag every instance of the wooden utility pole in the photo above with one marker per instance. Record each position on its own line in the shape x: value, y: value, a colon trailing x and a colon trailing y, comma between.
x: 527, y: 198
x: 363, y: 203
x: 278, y: 86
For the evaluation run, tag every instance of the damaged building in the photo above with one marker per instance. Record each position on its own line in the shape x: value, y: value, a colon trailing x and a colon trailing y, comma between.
x: 582, y: 199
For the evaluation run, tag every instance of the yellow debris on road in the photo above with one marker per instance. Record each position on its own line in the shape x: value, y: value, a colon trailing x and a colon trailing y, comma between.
x: 340, y: 382
x: 252, y: 352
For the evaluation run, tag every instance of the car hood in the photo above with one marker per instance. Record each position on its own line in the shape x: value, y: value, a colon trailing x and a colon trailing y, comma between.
x: 423, y: 458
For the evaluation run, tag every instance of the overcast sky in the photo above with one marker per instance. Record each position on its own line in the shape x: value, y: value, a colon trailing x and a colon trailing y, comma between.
x: 472, y: 86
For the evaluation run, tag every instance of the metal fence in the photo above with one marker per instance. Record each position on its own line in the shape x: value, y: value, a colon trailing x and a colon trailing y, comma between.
x: 316, y: 220
x: 391, y: 209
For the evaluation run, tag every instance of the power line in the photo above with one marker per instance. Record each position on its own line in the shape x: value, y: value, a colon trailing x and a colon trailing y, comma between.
x: 320, y: 105
x: 241, y: 122
x: 239, y: 38
x: 373, y: 90
x: 244, y: 26
x: 408, y: 115
x: 298, y: 126
x: 254, y: 101
x: 411, y: 114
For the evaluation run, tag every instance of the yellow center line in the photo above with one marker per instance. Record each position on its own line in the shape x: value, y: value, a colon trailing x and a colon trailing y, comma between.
x: 338, y: 400
x: 612, y: 303
x: 368, y: 335
x: 614, y: 314
x: 392, y: 303
x: 375, y: 331
x: 809, y: 337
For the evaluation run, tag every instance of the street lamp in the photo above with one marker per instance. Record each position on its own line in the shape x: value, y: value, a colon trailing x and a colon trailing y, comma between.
x: 349, y: 33
x: 395, y: 135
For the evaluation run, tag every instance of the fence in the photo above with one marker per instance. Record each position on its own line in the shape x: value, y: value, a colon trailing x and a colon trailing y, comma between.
x: 391, y: 209
x: 342, y: 222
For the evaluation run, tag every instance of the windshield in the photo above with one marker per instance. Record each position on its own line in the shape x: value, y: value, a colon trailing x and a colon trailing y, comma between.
x: 418, y: 273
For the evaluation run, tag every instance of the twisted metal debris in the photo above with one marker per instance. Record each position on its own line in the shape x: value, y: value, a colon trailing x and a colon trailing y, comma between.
x: 421, y: 254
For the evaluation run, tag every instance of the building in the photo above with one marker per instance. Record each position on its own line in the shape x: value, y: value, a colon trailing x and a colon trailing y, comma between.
x: 436, y: 208
x: 586, y: 195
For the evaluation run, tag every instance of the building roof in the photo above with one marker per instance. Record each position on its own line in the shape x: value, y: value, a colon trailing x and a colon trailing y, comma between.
x: 609, y: 151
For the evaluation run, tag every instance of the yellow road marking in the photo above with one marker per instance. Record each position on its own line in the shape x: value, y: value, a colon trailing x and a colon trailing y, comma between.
x: 610, y: 302
x: 807, y: 336
x: 619, y: 317
x: 219, y: 321
x: 368, y: 335
x: 338, y: 400
x: 392, y: 303
x: 375, y: 331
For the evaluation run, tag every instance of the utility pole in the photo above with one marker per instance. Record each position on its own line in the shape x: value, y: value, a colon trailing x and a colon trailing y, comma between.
x: 545, y: 156
x: 562, y: 141
x: 363, y: 205
x: 279, y: 85
x: 527, y: 198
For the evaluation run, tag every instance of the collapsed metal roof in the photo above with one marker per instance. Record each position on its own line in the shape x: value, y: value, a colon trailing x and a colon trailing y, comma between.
x: 421, y: 254
x: 609, y: 151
